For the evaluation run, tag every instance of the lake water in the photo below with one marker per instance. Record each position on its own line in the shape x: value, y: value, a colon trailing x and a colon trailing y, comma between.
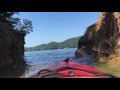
x: 38, y: 60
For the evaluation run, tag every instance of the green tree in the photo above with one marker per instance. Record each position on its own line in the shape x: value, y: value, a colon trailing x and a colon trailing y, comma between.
x: 26, y: 26
x: 15, y: 23
x: 6, y: 17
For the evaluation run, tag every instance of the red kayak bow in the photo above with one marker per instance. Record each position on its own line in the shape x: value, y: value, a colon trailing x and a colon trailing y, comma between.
x: 69, y: 69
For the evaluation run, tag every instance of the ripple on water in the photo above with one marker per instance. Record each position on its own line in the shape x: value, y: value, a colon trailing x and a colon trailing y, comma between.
x: 42, y: 59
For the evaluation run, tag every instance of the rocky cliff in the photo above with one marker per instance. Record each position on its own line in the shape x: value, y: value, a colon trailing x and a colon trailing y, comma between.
x: 11, y: 44
x: 102, y: 38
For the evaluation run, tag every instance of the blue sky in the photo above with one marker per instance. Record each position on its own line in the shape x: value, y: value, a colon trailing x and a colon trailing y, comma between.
x: 56, y: 26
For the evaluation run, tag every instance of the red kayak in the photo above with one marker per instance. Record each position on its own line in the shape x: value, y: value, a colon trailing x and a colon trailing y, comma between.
x: 69, y: 69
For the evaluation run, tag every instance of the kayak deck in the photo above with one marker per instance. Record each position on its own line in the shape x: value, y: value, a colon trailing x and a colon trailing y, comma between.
x: 69, y: 69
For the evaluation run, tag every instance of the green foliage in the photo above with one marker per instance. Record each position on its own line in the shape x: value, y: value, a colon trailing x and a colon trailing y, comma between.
x: 6, y: 17
x: 15, y: 23
x: 25, y: 27
x: 70, y: 43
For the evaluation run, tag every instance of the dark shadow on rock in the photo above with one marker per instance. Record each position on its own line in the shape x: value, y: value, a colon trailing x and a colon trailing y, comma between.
x: 80, y: 52
x: 14, y: 70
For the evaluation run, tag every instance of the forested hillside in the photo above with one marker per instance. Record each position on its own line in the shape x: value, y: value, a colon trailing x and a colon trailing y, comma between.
x: 69, y: 43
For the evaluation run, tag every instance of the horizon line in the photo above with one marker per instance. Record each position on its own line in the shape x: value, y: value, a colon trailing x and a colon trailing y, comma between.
x: 52, y: 41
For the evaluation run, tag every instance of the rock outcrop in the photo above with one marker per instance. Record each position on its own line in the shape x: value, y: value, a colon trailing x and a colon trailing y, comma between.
x: 11, y: 44
x: 102, y: 38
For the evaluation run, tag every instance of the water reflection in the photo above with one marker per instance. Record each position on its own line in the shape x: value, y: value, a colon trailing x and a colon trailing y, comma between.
x: 14, y: 70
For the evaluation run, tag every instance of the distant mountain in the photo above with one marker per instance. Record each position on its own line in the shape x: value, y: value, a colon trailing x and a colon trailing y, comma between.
x: 69, y: 43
